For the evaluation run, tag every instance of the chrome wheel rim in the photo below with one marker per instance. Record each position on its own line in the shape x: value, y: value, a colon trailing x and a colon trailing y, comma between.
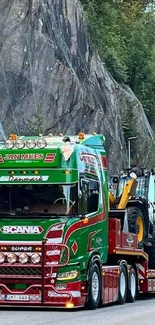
x: 95, y: 286
x: 133, y: 285
x: 122, y: 285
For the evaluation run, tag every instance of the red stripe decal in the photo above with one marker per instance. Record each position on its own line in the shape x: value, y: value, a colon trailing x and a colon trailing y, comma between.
x: 90, y: 240
x: 80, y: 224
x: 1, y: 159
x: 50, y: 157
x: 104, y: 162
x: 55, y: 234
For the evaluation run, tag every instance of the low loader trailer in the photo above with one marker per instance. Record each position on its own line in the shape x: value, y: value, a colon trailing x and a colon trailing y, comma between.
x: 61, y: 245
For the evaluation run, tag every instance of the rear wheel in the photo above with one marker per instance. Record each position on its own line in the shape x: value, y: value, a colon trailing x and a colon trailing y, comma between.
x: 94, y: 287
x: 122, y: 289
x: 136, y: 224
x: 132, y: 291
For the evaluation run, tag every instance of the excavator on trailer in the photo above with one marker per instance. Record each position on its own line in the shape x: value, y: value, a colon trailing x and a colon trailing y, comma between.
x: 139, y: 200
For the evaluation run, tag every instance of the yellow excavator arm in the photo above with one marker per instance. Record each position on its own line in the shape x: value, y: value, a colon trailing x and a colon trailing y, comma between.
x: 127, y: 193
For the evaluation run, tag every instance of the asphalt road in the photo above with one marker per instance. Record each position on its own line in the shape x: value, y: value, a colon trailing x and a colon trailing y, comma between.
x: 142, y: 312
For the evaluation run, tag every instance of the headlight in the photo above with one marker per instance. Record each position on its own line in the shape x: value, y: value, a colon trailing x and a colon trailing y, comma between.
x: 23, y: 258
x: 11, y: 258
x: 68, y: 275
x: 31, y: 143
x: 41, y: 143
x: 35, y: 258
x: 2, y: 258
x: 9, y: 144
x: 20, y: 144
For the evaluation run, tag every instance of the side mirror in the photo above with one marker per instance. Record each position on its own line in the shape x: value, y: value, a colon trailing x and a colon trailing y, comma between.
x: 93, y: 201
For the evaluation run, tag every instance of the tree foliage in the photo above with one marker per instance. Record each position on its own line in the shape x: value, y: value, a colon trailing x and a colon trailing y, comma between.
x: 36, y: 126
x: 124, y: 33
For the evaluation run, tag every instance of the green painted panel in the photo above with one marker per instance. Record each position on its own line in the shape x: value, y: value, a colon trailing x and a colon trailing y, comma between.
x: 47, y: 176
x: 30, y: 158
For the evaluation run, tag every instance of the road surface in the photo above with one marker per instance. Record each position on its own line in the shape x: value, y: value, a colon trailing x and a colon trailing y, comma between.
x: 142, y: 312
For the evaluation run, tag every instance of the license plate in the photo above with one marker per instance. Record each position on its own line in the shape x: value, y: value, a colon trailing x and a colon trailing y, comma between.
x: 17, y: 297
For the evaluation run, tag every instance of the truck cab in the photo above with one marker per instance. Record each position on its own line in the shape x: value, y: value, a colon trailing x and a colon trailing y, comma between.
x: 53, y: 216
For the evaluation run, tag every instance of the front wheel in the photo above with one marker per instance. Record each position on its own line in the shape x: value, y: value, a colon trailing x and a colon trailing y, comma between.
x: 94, y: 287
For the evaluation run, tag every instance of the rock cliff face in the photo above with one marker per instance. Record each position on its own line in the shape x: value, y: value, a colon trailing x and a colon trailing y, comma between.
x: 52, y: 79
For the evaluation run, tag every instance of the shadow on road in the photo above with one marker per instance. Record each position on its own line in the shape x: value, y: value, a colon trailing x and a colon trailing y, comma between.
x: 147, y: 297
x: 38, y: 308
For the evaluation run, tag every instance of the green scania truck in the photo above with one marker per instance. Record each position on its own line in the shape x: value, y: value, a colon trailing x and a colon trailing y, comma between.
x: 60, y: 245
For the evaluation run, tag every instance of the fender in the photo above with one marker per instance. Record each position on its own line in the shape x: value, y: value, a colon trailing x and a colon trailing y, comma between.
x: 93, y: 258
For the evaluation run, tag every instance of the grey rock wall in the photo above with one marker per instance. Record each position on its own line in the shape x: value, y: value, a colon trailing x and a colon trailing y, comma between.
x: 52, y: 79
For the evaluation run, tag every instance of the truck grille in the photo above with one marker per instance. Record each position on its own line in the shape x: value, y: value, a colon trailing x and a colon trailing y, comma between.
x: 20, y: 271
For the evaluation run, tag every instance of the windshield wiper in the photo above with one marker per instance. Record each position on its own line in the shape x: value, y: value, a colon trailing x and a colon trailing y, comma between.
x: 39, y: 215
x: 35, y: 213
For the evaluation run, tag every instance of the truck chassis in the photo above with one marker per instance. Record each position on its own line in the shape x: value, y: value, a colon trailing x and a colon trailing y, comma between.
x: 125, y: 274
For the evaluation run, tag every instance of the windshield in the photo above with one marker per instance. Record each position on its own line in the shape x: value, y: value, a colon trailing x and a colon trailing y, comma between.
x: 141, y: 186
x: 53, y: 199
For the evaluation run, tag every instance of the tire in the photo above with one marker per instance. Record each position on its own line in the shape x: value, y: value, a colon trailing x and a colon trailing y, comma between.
x: 94, y: 287
x: 132, y: 290
x: 136, y: 224
x: 151, y: 252
x: 122, y: 288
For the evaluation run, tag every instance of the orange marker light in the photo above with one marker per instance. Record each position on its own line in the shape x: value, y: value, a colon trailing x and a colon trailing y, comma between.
x: 3, y: 248
x: 81, y: 136
x: 85, y: 220
x: 69, y: 305
x: 38, y: 249
x: 13, y: 137
x: 83, y: 288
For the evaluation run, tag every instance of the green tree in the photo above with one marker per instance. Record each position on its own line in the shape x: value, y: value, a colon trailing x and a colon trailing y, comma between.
x: 36, y: 126
x: 124, y: 33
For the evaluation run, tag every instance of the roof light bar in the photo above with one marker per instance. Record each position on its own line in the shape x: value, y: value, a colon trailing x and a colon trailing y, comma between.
x: 31, y: 143
x: 41, y: 143
x: 20, y: 144
x: 9, y: 144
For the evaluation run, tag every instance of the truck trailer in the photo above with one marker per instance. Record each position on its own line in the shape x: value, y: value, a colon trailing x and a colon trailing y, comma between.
x: 61, y: 243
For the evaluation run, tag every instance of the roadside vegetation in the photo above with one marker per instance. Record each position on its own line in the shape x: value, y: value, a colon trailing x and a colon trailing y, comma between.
x: 124, y: 33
